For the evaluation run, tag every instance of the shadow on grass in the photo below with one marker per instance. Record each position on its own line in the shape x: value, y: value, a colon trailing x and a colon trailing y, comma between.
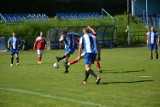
x: 114, y: 71
x: 128, y: 82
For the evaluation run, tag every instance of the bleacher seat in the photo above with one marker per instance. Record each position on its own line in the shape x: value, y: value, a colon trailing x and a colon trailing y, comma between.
x: 17, y: 18
x: 78, y: 16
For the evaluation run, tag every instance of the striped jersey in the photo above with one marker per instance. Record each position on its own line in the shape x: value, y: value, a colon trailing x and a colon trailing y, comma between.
x: 152, y: 36
x: 14, y: 42
x: 69, y: 41
x: 89, y: 42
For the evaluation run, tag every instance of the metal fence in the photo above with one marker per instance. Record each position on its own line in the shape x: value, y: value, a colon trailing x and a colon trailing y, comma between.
x: 106, y: 35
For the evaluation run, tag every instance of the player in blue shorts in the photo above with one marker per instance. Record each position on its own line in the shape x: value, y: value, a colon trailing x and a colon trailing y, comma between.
x: 153, y: 42
x: 13, y: 44
x: 68, y: 40
x: 91, y: 49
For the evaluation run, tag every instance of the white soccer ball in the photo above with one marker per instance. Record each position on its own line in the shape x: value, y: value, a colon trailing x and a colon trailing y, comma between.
x: 55, y: 65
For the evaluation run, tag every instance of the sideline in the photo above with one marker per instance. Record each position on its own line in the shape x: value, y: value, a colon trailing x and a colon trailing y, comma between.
x: 52, y: 97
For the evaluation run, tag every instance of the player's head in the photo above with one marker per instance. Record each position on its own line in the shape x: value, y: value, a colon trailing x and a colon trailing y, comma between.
x: 85, y: 30
x: 41, y: 34
x: 88, y: 27
x: 14, y: 34
x: 152, y: 29
x: 64, y: 33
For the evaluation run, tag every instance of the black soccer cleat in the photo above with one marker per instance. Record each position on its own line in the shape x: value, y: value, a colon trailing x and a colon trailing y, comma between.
x: 66, y: 72
x: 98, y: 80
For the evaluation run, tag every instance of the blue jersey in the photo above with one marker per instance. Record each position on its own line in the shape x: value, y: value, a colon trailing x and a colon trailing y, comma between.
x: 69, y: 41
x: 14, y: 42
x: 152, y: 36
x: 89, y: 42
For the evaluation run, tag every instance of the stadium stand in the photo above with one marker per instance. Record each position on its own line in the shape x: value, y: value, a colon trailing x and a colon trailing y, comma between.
x: 17, y: 18
x: 78, y: 16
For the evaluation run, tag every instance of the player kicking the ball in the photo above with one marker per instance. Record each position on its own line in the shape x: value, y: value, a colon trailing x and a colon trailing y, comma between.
x: 91, y: 49
x: 40, y: 45
x: 153, y: 42
x: 13, y: 44
x: 92, y: 31
x: 68, y: 40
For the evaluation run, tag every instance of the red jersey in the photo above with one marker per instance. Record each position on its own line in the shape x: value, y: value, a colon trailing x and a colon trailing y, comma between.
x: 41, y: 42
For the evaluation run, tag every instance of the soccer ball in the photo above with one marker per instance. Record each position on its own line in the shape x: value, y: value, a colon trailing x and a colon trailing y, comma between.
x: 55, y: 65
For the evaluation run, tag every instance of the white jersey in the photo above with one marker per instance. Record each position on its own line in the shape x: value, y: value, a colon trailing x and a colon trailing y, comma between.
x: 89, y: 42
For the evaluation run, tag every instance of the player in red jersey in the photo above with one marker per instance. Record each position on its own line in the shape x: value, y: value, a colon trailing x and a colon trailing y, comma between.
x: 82, y: 55
x: 40, y: 45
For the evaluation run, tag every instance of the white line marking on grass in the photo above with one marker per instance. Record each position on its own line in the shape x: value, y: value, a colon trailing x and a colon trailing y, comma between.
x: 145, y: 76
x: 52, y: 97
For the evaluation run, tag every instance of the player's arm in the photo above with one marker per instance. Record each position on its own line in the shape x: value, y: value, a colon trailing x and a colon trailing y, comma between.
x: 158, y: 40
x: 9, y: 43
x: 80, y: 49
x: 61, y: 39
x: 35, y: 44
x: 99, y: 52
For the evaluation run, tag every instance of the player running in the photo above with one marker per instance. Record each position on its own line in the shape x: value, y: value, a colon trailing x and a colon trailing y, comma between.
x: 13, y: 44
x: 153, y: 42
x: 91, y: 49
x: 92, y: 31
x: 40, y: 45
x: 68, y: 40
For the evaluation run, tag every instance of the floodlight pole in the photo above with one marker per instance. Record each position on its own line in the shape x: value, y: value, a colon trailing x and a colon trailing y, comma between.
x: 128, y: 22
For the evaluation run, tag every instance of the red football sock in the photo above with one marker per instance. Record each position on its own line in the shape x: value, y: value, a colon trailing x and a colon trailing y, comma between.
x: 73, y: 61
x: 98, y: 64
x: 39, y: 59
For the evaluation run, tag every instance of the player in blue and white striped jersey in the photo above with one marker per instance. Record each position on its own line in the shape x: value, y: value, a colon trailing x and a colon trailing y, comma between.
x: 91, y: 49
x: 153, y: 42
x: 68, y: 40
x: 13, y: 44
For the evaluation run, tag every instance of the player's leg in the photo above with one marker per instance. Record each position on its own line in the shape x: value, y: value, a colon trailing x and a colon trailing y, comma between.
x: 67, y: 54
x: 151, y: 51
x: 39, y: 56
x: 17, y: 57
x: 89, y: 59
x: 12, y: 56
x: 12, y: 59
x: 98, y: 66
x: 75, y: 60
x: 156, y: 50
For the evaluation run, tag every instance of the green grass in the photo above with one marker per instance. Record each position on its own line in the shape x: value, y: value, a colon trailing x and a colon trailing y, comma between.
x: 122, y: 84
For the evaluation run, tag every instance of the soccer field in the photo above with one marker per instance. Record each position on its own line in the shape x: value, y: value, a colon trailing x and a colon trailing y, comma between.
x: 129, y: 79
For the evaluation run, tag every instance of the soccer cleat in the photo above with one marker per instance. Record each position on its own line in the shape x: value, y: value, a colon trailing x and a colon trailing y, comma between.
x: 11, y: 65
x: 98, y: 80
x: 57, y: 58
x: 17, y: 64
x: 39, y: 62
x: 100, y: 70
x: 84, y: 82
x: 66, y: 71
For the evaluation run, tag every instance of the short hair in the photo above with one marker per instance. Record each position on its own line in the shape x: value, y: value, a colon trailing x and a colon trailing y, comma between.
x: 85, y: 30
x: 64, y: 32
x: 152, y: 28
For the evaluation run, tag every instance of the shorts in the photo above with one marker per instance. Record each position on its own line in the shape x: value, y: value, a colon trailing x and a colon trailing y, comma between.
x: 14, y: 51
x: 40, y: 52
x: 70, y: 50
x: 89, y: 58
x: 153, y: 47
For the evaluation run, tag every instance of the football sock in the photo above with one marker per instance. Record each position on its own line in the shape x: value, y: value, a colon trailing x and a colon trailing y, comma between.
x: 66, y: 68
x: 86, y: 76
x: 11, y: 60
x: 90, y: 71
x: 39, y: 59
x: 156, y: 56
x: 73, y: 61
x: 98, y: 64
x: 17, y: 59
x: 62, y: 57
